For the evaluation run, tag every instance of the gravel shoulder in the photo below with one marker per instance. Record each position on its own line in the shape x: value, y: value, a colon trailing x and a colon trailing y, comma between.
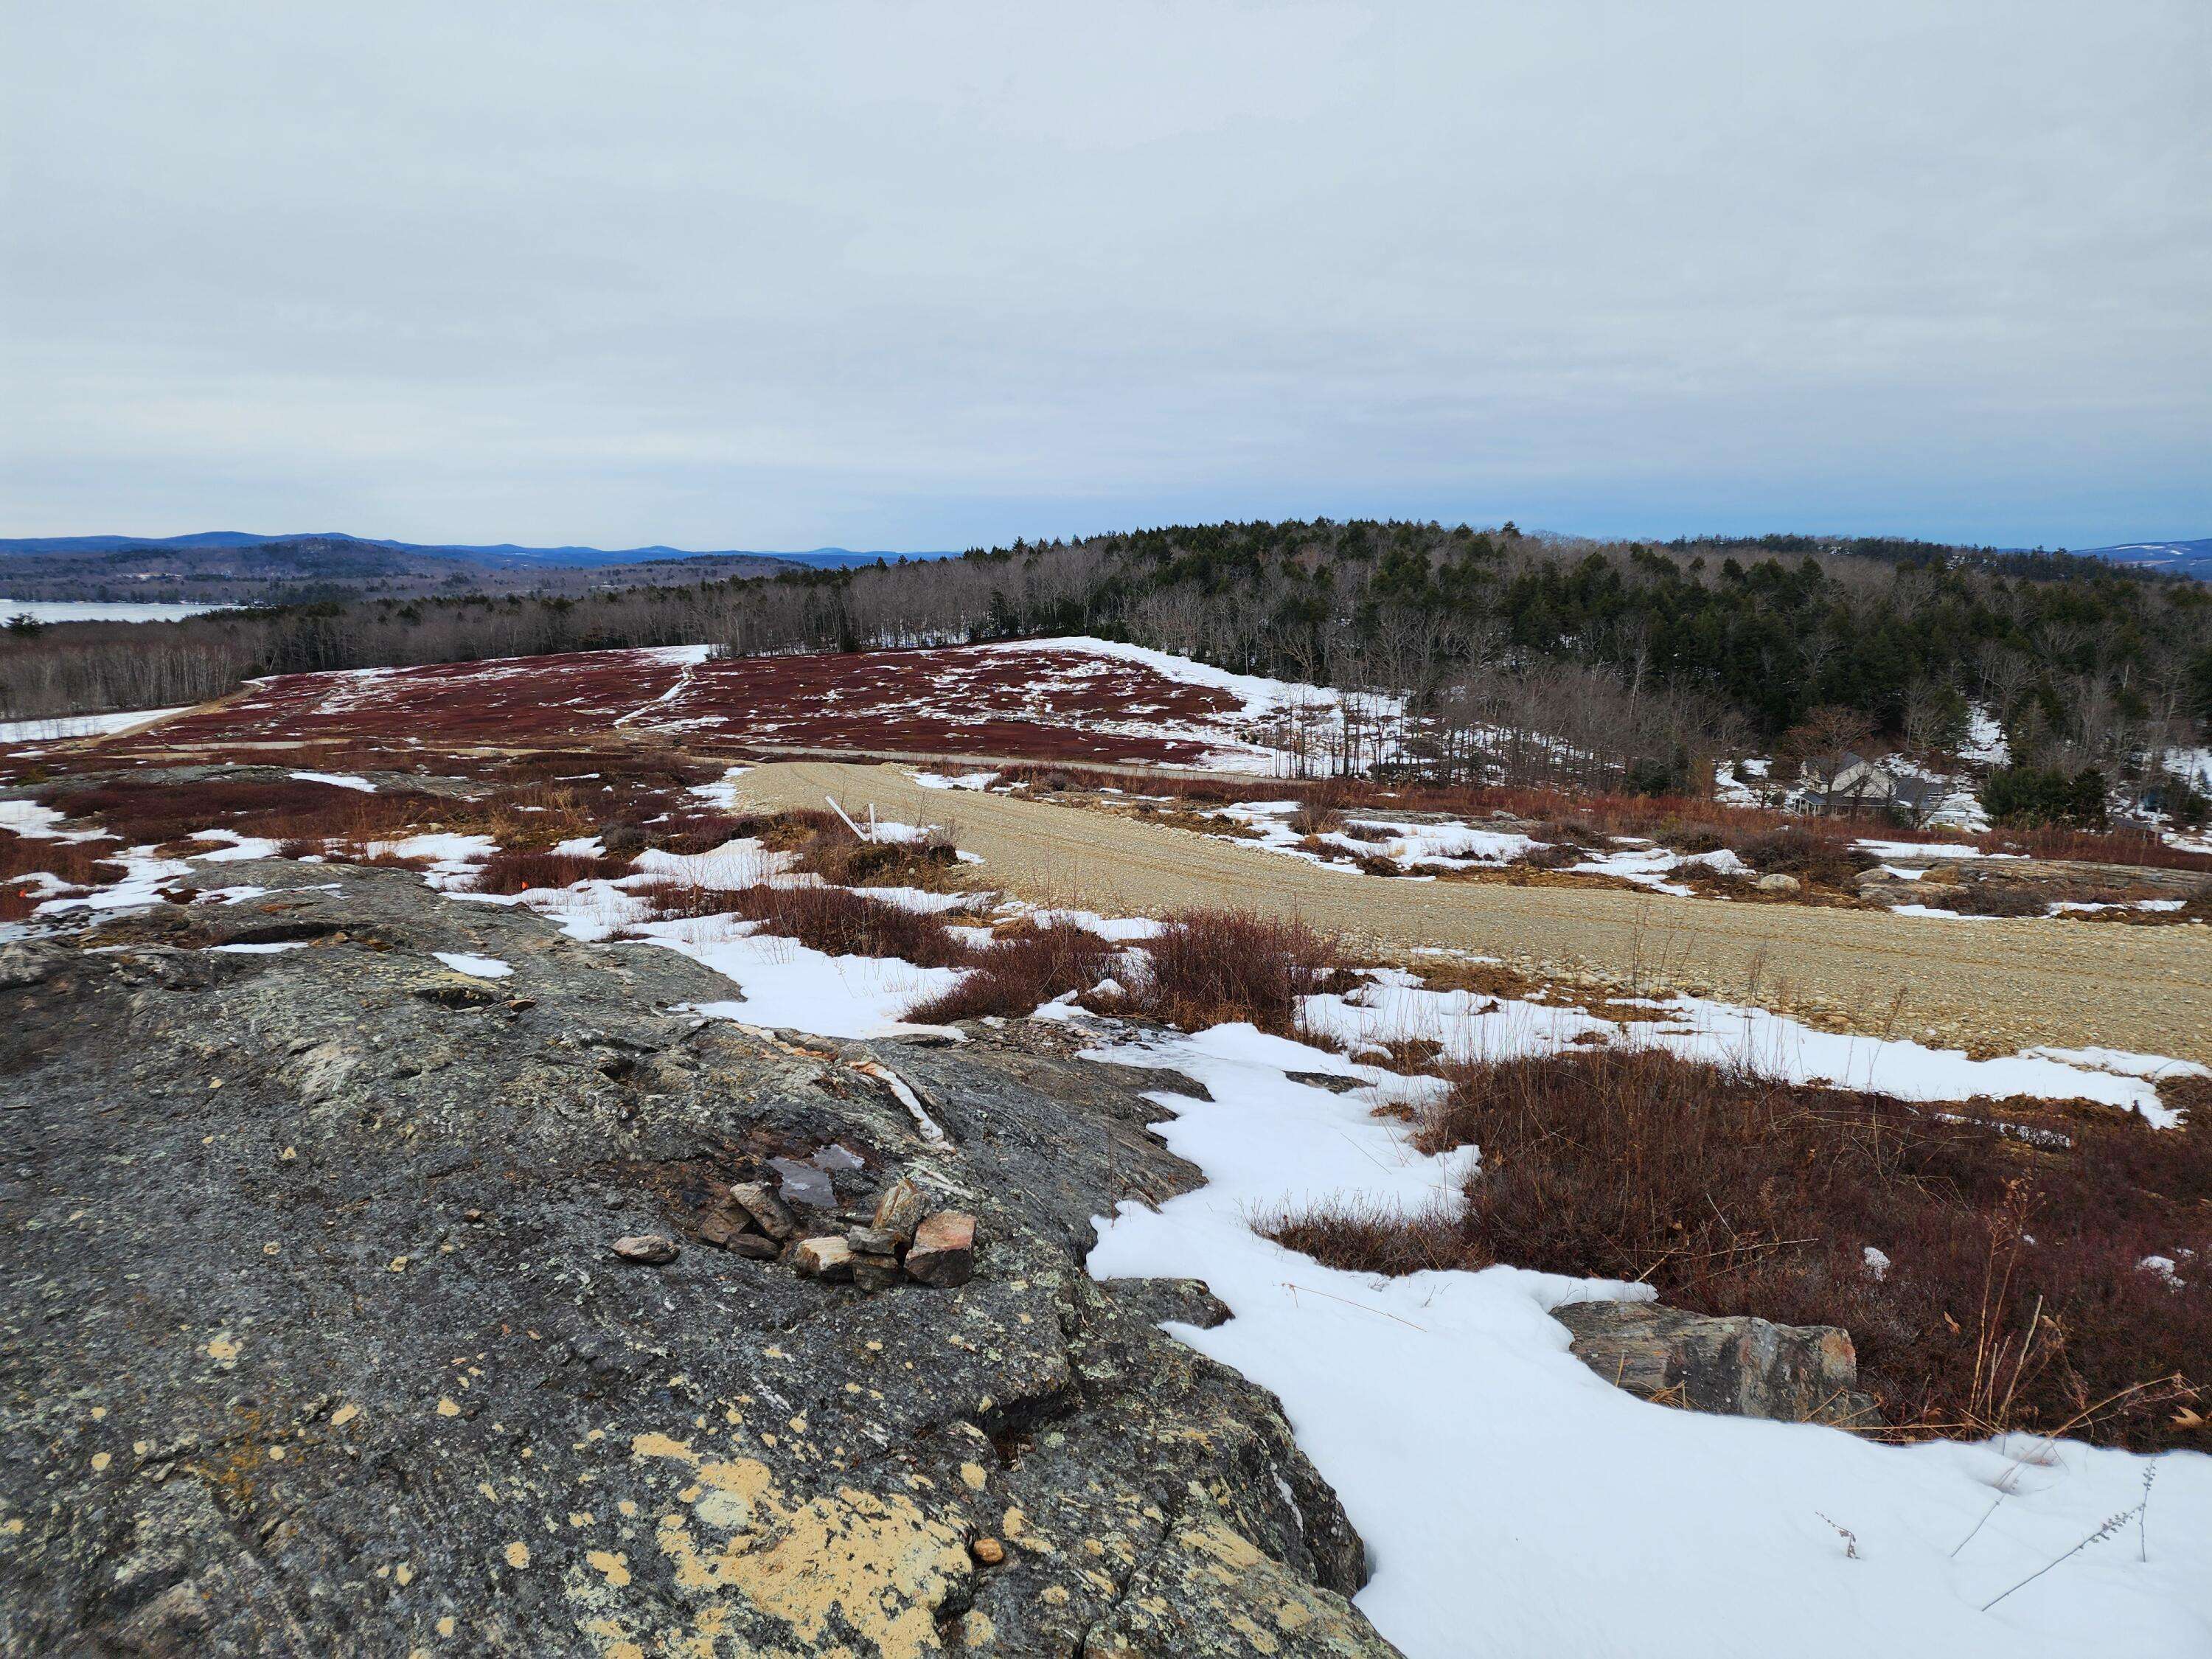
x: 1984, y: 984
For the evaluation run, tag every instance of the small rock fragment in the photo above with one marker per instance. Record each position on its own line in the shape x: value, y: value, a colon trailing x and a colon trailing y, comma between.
x: 873, y: 1240
x: 649, y: 1248
x: 755, y: 1248
x: 721, y: 1229
x: 989, y: 1550
x: 770, y: 1211
x: 899, y: 1211
x: 943, y: 1253
x: 822, y: 1258
x: 877, y: 1274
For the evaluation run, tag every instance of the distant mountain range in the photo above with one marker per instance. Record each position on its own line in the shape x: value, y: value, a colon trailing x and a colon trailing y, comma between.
x: 503, y: 556
x: 2178, y: 558
x: 2175, y: 558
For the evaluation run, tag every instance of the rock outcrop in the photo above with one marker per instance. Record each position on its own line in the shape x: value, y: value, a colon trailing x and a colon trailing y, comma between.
x: 1739, y: 1366
x: 339, y: 1320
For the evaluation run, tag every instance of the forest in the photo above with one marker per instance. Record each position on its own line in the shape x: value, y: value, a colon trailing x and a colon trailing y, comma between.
x: 1639, y: 659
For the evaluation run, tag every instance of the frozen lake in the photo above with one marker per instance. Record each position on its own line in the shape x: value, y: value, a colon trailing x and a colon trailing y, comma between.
x: 59, y: 611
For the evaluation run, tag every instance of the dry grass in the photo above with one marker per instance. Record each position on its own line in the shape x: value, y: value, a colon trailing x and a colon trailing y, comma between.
x: 2014, y: 1299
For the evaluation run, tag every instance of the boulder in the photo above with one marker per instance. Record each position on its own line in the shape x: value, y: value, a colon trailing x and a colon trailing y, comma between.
x: 1777, y: 883
x: 1738, y: 1366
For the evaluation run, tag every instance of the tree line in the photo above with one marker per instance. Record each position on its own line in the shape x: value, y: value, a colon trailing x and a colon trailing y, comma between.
x: 1535, y: 659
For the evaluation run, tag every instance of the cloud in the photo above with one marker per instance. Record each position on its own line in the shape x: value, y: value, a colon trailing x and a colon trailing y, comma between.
x: 925, y: 276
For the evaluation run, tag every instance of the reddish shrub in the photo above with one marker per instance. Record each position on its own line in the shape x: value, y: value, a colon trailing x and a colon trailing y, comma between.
x: 79, y: 863
x: 840, y: 923
x: 1210, y: 966
x: 2143, y: 847
x: 1363, y: 1238
x: 1022, y: 972
x: 157, y: 813
x: 514, y: 871
x: 2014, y: 1299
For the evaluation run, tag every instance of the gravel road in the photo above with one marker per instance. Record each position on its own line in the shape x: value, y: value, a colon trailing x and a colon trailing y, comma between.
x: 1987, y: 984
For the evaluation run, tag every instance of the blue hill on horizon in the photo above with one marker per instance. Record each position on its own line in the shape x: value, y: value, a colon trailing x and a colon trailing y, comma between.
x: 501, y: 553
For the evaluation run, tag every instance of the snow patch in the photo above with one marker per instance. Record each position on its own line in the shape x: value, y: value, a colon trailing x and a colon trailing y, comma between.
x: 475, y: 967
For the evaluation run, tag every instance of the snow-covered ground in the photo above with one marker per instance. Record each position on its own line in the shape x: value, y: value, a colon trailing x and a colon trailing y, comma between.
x: 61, y: 726
x: 1985, y: 742
x: 1395, y: 1006
x: 338, y: 781
x: 1513, y: 1503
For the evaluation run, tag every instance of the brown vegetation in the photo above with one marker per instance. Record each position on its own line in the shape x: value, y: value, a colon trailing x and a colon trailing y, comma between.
x: 2014, y: 1297
x: 841, y: 923
x: 77, y: 862
x: 517, y: 870
x: 156, y: 813
x: 1207, y: 967
x: 1026, y: 968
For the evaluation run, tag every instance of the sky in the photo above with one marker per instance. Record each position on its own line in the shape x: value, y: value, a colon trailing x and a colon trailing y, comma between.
x: 931, y: 276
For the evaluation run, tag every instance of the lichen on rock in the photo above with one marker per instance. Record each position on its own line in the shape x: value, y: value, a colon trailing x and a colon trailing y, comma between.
x: 336, y: 1357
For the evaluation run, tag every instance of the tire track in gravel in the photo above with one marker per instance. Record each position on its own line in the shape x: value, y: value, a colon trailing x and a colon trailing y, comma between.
x: 1987, y: 984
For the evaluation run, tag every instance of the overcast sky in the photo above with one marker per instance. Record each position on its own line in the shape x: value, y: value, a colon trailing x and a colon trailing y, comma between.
x: 925, y: 276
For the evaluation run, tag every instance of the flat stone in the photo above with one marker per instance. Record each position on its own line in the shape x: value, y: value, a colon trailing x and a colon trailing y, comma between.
x: 873, y: 1240
x: 770, y: 1212
x: 822, y: 1258
x: 755, y: 1247
x: 900, y: 1210
x: 877, y: 1275
x: 944, y: 1250
x: 649, y: 1249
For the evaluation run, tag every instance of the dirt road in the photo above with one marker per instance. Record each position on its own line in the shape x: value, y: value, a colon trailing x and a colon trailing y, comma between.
x: 1985, y: 984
